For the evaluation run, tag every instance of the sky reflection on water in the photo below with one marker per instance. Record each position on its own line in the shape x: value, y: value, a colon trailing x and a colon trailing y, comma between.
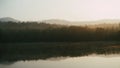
x: 92, y: 61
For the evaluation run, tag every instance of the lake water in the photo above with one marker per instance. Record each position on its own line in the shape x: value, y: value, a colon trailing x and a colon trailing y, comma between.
x: 92, y: 61
x: 105, y: 55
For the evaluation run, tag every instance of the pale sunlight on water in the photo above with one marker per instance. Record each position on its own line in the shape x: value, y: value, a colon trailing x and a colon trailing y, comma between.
x: 92, y: 61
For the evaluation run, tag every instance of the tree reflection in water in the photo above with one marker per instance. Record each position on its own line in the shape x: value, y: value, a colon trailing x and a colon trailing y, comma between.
x: 35, y: 51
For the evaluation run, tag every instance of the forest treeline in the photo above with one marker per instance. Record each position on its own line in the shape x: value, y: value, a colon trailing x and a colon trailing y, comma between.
x: 43, y: 32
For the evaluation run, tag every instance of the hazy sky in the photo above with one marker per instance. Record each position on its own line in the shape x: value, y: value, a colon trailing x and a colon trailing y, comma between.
x: 74, y: 10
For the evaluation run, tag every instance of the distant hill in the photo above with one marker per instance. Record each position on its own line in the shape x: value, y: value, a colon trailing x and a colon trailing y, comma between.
x: 7, y: 19
x: 57, y: 21
x: 102, y: 22
x: 77, y: 23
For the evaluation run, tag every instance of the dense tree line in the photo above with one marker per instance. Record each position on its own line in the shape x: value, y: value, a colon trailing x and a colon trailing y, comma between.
x: 42, y: 32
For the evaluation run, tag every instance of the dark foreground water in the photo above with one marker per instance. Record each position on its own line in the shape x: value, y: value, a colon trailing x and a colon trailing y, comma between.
x: 60, y: 55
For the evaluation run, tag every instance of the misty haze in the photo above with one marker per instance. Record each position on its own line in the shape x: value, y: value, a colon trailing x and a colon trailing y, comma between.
x: 59, y: 34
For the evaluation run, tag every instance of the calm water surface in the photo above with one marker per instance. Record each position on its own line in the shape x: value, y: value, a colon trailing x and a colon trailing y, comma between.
x: 112, y: 61
x: 77, y: 55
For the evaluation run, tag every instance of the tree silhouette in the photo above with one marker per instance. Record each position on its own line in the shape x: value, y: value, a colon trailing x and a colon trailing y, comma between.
x: 43, y: 32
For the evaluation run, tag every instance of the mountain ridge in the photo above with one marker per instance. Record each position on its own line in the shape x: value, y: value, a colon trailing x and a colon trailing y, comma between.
x: 7, y: 19
x: 66, y: 22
